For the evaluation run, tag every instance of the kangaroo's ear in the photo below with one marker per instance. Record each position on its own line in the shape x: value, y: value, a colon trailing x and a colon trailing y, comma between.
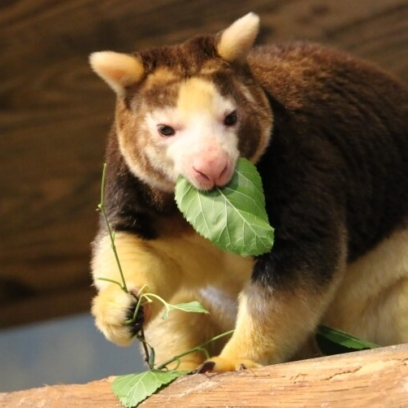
x: 236, y: 41
x: 118, y: 70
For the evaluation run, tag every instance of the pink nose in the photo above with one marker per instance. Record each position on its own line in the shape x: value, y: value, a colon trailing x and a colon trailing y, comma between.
x: 210, y: 172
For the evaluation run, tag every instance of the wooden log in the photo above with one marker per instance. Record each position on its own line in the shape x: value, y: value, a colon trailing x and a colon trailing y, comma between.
x: 374, y: 378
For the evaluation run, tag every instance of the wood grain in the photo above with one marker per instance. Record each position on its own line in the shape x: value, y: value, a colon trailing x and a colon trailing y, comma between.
x: 375, y: 378
x: 54, y: 113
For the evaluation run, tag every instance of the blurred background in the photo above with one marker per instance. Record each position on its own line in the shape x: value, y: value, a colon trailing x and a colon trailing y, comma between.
x: 54, y: 117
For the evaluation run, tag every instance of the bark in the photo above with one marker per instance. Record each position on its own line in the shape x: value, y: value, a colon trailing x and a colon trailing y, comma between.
x: 374, y: 378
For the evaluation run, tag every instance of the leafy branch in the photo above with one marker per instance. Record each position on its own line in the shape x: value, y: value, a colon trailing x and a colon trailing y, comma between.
x: 135, y: 388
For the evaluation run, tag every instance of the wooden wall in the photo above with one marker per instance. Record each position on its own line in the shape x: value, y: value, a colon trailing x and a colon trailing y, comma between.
x: 54, y: 115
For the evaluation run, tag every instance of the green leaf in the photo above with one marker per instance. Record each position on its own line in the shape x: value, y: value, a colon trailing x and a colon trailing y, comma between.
x: 192, y: 307
x: 132, y: 389
x: 333, y: 341
x: 232, y: 217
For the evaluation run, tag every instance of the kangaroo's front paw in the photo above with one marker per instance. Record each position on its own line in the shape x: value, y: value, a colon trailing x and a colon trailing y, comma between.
x: 222, y: 365
x: 114, y: 312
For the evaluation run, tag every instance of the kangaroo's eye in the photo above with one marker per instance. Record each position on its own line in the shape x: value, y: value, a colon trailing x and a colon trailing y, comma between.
x: 165, y: 130
x: 231, y: 119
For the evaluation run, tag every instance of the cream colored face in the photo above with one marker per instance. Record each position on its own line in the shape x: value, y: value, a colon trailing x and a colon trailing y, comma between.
x: 196, y: 138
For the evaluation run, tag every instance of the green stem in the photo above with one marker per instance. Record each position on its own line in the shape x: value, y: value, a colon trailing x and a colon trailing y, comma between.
x: 148, y: 350
x: 201, y: 347
x: 149, y: 295
x: 111, y: 281
x: 139, y: 297
x: 110, y: 232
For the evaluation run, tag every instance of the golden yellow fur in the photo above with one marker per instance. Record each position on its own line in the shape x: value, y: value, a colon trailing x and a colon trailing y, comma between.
x: 197, y: 96
x: 374, y: 290
x: 176, y: 266
x: 179, y: 268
